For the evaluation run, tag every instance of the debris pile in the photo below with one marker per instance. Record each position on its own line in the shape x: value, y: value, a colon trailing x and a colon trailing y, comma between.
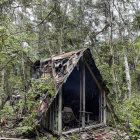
x: 102, y: 133
x: 58, y: 66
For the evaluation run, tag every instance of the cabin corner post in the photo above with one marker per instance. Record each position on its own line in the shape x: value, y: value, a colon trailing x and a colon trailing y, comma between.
x: 104, y: 108
x: 101, y: 105
x: 83, y: 93
x: 60, y: 112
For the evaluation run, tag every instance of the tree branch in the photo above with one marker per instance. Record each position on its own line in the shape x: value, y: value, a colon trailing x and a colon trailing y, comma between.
x: 7, y: 63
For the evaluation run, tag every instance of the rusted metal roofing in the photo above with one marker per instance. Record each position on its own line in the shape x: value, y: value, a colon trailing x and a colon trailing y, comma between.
x: 60, y: 67
x: 64, y: 55
x: 63, y: 65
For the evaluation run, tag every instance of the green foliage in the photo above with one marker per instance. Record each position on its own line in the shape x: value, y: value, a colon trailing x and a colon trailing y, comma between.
x: 123, y: 107
x: 48, y: 138
x: 24, y: 129
x: 43, y: 85
x: 138, y: 19
x: 40, y: 87
x: 8, y: 110
x: 36, y: 29
x: 95, y: 132
x: 130, y: 109
x: 76, y: 137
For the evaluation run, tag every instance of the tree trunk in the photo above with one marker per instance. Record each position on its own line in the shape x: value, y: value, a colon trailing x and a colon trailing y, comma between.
x: 128, y: 79
x: 112, y: 61
x: 2, y: 87
x: 3, y: 102
x: 4, y: 99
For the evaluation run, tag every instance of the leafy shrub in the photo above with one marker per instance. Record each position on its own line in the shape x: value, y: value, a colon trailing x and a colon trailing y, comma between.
x: 131, y: 110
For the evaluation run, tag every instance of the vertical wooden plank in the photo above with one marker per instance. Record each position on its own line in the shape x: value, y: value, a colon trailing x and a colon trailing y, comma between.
x: 44, y: 122
x: 101, y: 107
x: 81, y: 90
x: 88, y: 118
x: 57, y: 114
x: 104, y: 108
x: 46, y: 119
x: 84, y: 103
x: 60, y: 112
x: 53, y: 116
x: 50, y: 118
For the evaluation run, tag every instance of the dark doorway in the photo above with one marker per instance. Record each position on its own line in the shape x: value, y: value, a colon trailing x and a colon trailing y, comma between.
x: 71, y: 96
x: 71, y: 92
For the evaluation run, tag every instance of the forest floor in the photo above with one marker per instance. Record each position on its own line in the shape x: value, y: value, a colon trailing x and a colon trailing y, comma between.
x: 102, y: 133
x: 14, y: 129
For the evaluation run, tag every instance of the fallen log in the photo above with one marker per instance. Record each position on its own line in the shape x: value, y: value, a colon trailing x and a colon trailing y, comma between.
x: 3, y: 138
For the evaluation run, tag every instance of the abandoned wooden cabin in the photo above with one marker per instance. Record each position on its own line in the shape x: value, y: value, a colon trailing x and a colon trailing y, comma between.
x: 79, y: 100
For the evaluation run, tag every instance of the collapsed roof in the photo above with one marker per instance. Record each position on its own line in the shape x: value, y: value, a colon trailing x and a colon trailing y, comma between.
x: 60, y: 67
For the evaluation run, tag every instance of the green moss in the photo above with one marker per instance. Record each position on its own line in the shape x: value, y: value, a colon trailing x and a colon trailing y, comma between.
x: 76, y: 137
x: 95, y: 132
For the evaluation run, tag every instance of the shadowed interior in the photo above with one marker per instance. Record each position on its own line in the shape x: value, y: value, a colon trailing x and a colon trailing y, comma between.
x: 71, y: 94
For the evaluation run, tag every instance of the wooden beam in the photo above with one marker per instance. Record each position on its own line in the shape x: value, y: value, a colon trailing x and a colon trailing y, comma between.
x: 81, y: 91
x: 104, y: 108
x: 102, y: 105
x: 53, y: 116
x: 46, y: 119
x: 60, y: 112
x: 57, y: 114
x: 79, y: 129
x: 92, y: 74
x: 84, y: 100
x: 3, y: 138
x: 99, y: 107
x: 50, y: 120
